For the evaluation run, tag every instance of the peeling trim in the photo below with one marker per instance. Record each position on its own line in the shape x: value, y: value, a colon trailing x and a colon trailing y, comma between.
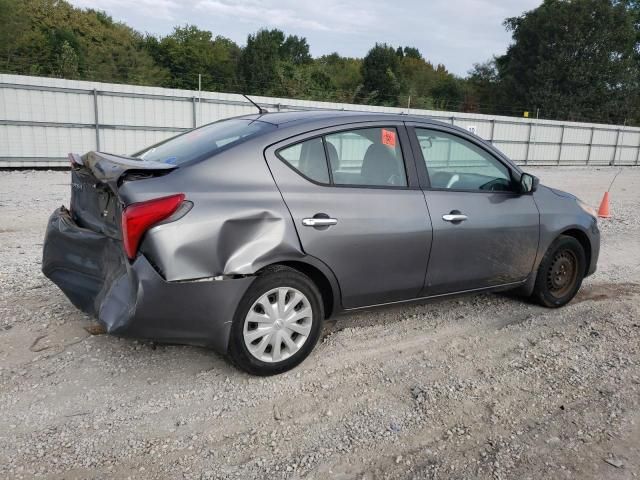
x: 217, y: 278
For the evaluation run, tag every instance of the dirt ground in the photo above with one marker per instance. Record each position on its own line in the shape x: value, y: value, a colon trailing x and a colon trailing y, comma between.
x: 476, y: 387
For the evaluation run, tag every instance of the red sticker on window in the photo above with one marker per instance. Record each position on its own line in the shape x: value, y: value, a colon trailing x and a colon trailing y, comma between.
x: 388, y: 137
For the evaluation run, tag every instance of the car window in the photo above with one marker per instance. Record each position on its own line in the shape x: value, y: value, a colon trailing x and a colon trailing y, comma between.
x: 369, y: 156
x: 455, y: 163
x: 205, y: 141
x: 308, y: 158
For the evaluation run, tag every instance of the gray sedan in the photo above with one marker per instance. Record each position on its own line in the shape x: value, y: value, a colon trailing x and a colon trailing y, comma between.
x: 245, y: 234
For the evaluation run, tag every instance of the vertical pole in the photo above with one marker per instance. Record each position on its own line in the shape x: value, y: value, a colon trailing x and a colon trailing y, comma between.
x: 638, y: 153
x: 561, y: 144
x: 624, y: 124
x: 193, y: 111
x: 526, y: 155
x: 493, y: 129
x: 449, y: 147
x: 535, y: 135
x: 615, y: 150
x: 453, y: 122
x: 590, y: 145
x: 200, y: 98
x: 96, y: 118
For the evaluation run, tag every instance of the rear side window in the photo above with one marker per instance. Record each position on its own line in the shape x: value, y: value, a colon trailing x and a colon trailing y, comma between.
x: 368, y: 156
x: 205, y: 141
x: 308, y: 158
x: 361, y: 157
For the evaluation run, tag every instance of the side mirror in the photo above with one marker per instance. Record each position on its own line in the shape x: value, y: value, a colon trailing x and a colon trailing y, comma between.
x: 528, y: 183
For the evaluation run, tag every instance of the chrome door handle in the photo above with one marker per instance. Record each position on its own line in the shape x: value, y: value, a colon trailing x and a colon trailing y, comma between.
x: 319, y: 222
x: 454, y: 217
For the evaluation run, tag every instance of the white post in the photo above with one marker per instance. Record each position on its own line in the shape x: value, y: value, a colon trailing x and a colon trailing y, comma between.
x: 199, y: 99
x: 624, y: 124
x: 535, y: 135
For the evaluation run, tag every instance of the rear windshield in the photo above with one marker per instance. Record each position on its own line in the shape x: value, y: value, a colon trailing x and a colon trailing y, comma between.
x: 205, y: 141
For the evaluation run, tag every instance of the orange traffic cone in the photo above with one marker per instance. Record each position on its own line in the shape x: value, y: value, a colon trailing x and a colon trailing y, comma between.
x: 603, y: 211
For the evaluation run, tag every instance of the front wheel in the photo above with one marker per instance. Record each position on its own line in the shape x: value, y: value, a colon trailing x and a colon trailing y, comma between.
x: 277, y: 322
x: 560, y: 273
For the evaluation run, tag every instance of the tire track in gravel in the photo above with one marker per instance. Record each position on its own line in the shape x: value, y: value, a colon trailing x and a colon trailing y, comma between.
x: 349, y: 407
x: 529, y: 422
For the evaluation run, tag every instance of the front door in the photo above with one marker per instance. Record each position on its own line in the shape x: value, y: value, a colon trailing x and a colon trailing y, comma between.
x: 354, y: 197
x: 485, y: 233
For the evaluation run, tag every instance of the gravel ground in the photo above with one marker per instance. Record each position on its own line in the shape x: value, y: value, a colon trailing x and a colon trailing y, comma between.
x: 477, y: 387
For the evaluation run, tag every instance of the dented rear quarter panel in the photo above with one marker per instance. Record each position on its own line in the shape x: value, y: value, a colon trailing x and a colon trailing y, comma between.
x: 238, y: 223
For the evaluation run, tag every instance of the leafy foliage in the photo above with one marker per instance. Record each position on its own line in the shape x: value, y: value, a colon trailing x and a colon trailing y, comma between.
x: 572, y: 59
x: 189, y: 52
x: 50, y: 37
x: 380, y: 82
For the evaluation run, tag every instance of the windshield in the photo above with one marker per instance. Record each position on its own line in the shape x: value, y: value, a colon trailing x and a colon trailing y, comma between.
x: 205, y: 141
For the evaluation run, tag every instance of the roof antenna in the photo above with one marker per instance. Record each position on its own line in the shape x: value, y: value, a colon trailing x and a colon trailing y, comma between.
x: 260, y: 109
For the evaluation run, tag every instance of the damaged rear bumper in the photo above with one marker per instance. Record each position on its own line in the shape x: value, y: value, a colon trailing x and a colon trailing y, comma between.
x: 132, y: 299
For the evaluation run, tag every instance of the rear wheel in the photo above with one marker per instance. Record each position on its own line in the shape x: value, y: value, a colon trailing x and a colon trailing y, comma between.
x: 277, y: 322
x: 560, y: 273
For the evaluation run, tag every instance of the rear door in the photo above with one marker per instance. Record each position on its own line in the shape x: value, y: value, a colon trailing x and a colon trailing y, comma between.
x: 484, y: 232
x: 357, y: 206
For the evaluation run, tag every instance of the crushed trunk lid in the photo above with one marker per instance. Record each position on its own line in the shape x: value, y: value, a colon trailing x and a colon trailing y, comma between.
x: 108, y: 168
x: 95, y: 179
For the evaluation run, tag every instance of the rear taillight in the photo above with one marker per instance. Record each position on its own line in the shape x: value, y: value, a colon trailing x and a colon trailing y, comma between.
x: 137, y: 218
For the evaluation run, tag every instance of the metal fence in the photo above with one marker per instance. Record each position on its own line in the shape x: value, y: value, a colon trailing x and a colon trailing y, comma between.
x: 42, y: 119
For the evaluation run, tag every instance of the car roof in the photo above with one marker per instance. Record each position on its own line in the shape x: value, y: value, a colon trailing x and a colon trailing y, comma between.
x: 294, y: 118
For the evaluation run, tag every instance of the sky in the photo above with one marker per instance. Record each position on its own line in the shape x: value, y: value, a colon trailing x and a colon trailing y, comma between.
x: 456, y: 33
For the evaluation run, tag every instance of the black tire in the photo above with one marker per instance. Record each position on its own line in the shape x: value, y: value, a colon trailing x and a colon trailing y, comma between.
x: 270, y: 278
x: 560, y: 273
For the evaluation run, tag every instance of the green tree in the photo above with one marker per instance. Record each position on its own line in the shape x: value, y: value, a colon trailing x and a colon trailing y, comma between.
x: 380, y: 82
x: 270, y: 62
x: 13, y: 38
x: 575, y: 59
x: 295, y: 49
x: 484, y: 88
x: 424, y: 86
x: 189, y: 51
x: 50, y: 37
x: 412, y: 52
x: 67, y: 61
x: 258, y: 66
x: 343, y: 74
x: 448, y: 93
